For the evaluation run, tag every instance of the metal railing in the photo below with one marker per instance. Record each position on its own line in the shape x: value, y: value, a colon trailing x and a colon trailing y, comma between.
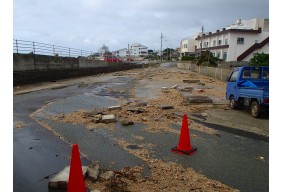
x: 31, y: 47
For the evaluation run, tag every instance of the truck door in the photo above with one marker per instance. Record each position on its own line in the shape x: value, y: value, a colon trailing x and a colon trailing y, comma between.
x: 232, y: 85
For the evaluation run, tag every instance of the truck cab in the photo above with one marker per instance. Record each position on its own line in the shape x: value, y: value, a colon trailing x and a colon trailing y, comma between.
x: 249, y: 87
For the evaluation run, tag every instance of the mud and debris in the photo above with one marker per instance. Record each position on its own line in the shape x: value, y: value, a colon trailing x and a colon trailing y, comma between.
x: 165, y: 176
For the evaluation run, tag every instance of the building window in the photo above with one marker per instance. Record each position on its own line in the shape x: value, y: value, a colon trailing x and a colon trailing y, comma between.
x: 219, y: 42
x: 226, y: 41
x: 206, y: 44
x: 218, y: 54
x: 214, y: 43
x: 224, y: 56
x: 240, y: 40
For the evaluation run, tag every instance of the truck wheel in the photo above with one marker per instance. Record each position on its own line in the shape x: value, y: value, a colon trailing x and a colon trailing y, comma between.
x: 255, y: 109
x: 232, y: 102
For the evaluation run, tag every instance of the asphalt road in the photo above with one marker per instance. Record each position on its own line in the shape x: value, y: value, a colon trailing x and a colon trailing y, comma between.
x: 234, y: 158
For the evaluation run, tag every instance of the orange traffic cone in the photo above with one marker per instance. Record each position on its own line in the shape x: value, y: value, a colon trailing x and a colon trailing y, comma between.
x: 76, y: 178
x: 184, y: 145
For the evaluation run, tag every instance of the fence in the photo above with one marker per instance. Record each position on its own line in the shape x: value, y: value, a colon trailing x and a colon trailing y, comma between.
x: 214, y: 72
x: 31, y: 47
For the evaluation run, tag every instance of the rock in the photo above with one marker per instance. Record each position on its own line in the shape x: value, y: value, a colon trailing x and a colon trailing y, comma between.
x: 60, y: 180
x: 126, y: 122
x: 107, y: 175
x: 93, y: 172
x: 108, y: 118
x: 118, y: 107
x: 174, y: 86
x: 164, y: 88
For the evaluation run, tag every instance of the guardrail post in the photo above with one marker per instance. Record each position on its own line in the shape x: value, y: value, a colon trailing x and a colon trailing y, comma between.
x: 17, y: 46
x: 33, y: 47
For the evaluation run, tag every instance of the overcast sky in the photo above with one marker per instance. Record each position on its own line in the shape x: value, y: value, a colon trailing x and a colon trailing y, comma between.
x: 88, y: 24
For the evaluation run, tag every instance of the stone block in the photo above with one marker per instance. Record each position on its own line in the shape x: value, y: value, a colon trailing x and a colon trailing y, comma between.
x: 118, y: 107
x: 108, y: 118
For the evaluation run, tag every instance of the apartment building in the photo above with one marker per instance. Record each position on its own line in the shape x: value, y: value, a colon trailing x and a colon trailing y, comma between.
x: 137, y: 50
x: 237, y: 42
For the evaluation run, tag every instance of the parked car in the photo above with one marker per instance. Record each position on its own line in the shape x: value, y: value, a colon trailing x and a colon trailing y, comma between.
x: 112, y: 59
x: 249, y: 87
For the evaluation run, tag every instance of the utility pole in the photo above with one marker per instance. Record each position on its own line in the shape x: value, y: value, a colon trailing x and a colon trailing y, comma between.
x: 161, y: 52
x: 128, y: 53
x: 202, y: 38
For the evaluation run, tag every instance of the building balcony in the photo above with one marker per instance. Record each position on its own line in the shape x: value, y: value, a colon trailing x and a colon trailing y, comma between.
x: 213, y: 48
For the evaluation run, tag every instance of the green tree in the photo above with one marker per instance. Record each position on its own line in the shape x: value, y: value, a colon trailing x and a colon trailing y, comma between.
x: 259, y: 59
x: 207, y: 59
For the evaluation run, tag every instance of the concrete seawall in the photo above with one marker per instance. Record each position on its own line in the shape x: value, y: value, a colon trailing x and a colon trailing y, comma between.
x: 31, y: 68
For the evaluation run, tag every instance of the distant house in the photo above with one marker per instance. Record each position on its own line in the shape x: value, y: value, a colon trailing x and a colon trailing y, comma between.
x: 187, y: 47
x: 237, y: 42
x: 137, y: 50
x: 121, y: 53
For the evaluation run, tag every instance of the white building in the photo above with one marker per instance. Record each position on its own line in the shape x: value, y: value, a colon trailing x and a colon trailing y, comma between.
x: 187, y: 47
x: 137, y: 50
x: 237, y: 42
x: 121, y: 53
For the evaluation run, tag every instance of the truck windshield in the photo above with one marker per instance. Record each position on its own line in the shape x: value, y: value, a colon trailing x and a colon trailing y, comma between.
x: 233, y: 77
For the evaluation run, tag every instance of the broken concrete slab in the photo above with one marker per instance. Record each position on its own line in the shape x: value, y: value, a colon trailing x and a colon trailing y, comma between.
x: 198, y: 99
x: 136, y: 110
x: 108, y: 118
x: 165, y: 107
x: 141, y: 103
x: 60, y: 180
x: 117, y: 107
x: 107, y: 175
x: 93, y: 172
x: 191, y: 81
x: 187, y: 89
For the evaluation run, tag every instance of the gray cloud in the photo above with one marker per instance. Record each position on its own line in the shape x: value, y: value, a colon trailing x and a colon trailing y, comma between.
x: 88, y: 24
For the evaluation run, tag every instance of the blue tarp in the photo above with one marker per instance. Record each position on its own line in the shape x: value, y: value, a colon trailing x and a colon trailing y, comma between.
x: 247, y: 83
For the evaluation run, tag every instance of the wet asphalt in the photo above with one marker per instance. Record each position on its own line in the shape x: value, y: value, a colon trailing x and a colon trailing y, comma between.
x: 233, y: 159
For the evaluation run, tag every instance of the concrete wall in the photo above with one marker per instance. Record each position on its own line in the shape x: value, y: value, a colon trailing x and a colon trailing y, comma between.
x: 29, y: 68
x: 214, y: 72
x: 86, y: 63
x: 27, y: 62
